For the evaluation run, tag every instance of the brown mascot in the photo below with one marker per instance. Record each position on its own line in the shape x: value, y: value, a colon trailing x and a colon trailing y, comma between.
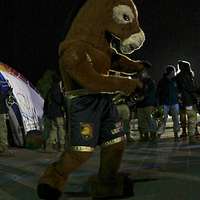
x: 85, y: 57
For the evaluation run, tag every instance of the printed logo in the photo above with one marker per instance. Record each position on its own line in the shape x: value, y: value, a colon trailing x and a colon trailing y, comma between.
x: 86, y: 130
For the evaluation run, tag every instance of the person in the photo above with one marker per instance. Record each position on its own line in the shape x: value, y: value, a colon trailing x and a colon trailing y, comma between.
x: 54, y: 117
x: 167, y: 93
x: 124, y: 113
x: 183, y: 122
x: 123, y: 108
x: 146, y: 123
x: 4, y: 151
x: 92, y: 117
x: 45, y: 82
x: 187, y: 92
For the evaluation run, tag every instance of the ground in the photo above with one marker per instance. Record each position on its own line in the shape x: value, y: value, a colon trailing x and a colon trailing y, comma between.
x: 166, y: 170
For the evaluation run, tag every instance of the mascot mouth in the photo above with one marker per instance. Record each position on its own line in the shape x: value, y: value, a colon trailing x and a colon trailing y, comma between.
x: 132, y: 43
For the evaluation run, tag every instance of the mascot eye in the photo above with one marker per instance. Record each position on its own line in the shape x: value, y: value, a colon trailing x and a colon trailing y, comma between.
x: 123, y: 14
x: 126, y: 17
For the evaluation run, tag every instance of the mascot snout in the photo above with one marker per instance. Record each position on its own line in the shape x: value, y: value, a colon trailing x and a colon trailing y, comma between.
x: 132, y: 43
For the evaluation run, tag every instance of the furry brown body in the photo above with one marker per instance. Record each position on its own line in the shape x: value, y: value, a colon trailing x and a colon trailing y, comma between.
x: 85, y: 61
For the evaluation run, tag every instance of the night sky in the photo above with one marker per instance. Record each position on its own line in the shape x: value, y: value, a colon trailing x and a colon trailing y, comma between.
x: 31, y: 30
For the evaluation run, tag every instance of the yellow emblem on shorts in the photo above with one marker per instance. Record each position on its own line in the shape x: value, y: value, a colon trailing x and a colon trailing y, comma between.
x: 86, y: 130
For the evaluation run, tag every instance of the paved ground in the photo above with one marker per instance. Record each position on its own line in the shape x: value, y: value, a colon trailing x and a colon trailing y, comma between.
x: 165, y: 170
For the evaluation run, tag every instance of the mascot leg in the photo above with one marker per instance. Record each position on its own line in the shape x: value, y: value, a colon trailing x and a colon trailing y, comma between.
x: 109, y: 183
x: 110, y: 160
x: 52, y: 182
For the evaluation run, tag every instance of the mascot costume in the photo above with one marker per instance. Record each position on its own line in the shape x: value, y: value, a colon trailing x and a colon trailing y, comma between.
x: 85, y: 58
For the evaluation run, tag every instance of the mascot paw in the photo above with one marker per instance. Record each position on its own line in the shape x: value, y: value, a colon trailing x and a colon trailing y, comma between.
x: 118, y: 188
x: 128, y: 189
x: 47, y: 192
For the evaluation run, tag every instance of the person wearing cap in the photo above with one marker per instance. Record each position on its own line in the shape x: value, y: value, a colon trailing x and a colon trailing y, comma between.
x: 167, y: 92
x: 187, y: 92
x: 146, y: 123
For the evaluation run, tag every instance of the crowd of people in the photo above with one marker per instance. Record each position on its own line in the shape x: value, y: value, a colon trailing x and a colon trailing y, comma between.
x: 175, y: 95
x: 178, y: 93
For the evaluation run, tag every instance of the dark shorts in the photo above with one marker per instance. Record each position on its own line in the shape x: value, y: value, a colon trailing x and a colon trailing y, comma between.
x: 93, y: 120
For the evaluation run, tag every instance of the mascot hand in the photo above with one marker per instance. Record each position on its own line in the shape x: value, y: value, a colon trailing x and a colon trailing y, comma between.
x: 135, y: 84
x: 146, y: 64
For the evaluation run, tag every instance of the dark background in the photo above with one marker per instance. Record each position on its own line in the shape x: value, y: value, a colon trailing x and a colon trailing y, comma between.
x: 30, y: 33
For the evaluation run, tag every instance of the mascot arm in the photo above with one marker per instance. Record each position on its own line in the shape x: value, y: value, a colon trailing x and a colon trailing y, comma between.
x: 76, y: 64
x: 124, y: 64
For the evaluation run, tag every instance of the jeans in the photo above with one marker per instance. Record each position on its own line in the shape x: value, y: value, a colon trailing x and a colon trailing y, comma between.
x: 146, y: 122
x: 174, y: 112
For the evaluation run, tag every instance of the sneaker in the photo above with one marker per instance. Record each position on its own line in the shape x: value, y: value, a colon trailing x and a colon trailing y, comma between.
x: 176, y: 136
x: 50, y: 148
x: 193, y: 140
x: 153, y: 136
x: 183, y: 135
x: 62, y: 148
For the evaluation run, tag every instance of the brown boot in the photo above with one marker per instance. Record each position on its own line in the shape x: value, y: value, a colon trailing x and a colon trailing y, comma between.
x: 120, y: 186
x: 52, y: 182
x: 109, y: 183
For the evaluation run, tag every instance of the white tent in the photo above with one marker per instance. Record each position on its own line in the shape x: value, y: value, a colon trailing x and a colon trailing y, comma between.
x: 25, y: 105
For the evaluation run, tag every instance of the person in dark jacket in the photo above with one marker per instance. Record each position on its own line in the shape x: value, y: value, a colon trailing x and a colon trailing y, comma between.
x: 167, y: 93
x: 4, y: 151
x: 188, y: 92
x: 55, y: 118
x: 146, y: 123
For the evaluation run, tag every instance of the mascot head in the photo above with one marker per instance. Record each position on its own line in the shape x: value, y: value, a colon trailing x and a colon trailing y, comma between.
x: 125, y: 26
x: 119, y: 18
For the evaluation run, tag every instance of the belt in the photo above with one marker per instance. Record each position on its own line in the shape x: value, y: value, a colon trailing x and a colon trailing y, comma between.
x: 83, y: 92
x: 77, y: 93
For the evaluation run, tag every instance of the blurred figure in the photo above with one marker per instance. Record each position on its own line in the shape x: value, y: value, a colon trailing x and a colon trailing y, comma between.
x: 54, y: 122
x: 167, y: 92
x: 145, y: 107
x: 3, y: 128
x: 124, y: 113
x: 187, y: 93
x: 45, y: 82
